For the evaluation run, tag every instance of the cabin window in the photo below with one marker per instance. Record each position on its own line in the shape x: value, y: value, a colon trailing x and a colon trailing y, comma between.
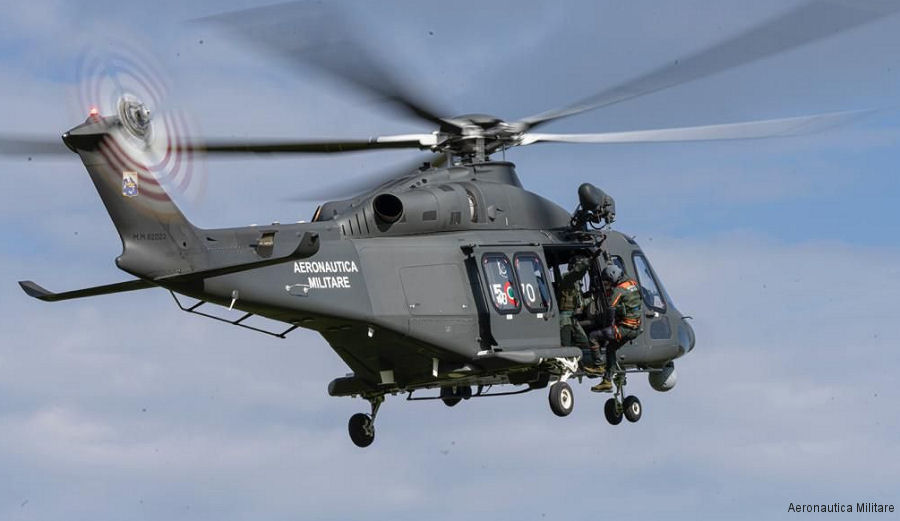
x: 501, y: 283
x: 532, y: 282
x: 649, y: 288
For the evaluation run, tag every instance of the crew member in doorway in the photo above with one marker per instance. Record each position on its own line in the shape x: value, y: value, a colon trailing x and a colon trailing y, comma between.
x: 625, y: 304
x: 571, y: 301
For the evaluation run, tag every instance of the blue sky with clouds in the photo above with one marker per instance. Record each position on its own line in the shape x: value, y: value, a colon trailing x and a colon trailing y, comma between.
x: 785, y: 251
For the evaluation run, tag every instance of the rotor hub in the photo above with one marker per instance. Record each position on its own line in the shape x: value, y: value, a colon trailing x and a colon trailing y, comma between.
x: 134, y: 116
x: 482, y: 121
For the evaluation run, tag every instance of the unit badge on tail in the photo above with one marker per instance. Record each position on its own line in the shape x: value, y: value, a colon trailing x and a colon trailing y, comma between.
x: 130, y: 184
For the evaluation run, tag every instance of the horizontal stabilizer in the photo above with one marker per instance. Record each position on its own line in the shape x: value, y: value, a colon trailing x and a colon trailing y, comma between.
x: 306, y: 247
x: 33, y: 290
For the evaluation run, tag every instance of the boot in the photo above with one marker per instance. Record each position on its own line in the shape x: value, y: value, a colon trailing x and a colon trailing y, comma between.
x: 604, y: 386
x: 591, y: 363
x: 594, y: 370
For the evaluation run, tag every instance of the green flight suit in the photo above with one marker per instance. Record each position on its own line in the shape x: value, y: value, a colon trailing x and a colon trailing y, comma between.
x: 570, y: 302
x: 626, y: 300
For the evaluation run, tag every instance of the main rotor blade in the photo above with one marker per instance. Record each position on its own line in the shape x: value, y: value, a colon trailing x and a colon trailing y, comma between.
x: 420, y: 141
x: 31, y: 146
x: 369, y: 183
x: 315, y: 34
x: 745, y: 130
x: 22, y: 146
x: 807, y: 23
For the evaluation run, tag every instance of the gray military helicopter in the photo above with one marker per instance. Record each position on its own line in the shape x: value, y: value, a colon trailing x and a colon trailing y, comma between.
x: 443, y: 277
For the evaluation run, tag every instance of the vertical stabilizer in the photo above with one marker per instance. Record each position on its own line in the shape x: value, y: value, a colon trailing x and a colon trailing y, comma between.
x: 156, y: 237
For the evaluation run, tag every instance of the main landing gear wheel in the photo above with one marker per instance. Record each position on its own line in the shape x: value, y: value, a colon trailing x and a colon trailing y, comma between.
x: 452, y: 395
x: 362, y: 426
x: 562, y: 399
x: 448, y: 397
x: 612, y: 411
x: 632, y: 408
x: 362, y: 429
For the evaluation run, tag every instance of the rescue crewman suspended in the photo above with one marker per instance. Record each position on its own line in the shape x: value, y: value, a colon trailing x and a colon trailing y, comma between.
x: 571, y: 301
x: 627, y: 308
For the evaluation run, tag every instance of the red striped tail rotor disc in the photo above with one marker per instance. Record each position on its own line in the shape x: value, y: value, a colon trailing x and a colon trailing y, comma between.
x: 154, y: 138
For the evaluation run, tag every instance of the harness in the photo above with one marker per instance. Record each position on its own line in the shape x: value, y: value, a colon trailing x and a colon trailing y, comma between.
x: 631, y: 319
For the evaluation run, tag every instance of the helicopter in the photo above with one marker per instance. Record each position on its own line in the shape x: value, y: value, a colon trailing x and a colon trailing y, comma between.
x: 444, y: 277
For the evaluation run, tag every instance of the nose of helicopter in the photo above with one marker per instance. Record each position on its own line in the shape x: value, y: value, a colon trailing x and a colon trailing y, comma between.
x: 686, y: 337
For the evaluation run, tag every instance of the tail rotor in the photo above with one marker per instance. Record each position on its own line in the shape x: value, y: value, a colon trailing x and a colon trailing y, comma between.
x: 153, y: 138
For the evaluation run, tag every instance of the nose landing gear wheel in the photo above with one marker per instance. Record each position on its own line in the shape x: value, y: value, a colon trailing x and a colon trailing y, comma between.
x: 632, y: 408
x: 612, y: 411
x: 362, y: 429
x: 562, y: 399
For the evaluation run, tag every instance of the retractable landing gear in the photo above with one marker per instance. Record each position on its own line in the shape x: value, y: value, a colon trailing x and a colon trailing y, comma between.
x: 362, y: 426
x: 618, y: 407
x: 562, y: 399
x: 613, y: 411
x: 452, y: 395
x: 632, y: 408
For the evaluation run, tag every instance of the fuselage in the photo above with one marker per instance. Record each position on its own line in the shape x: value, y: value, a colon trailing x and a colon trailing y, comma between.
x: 398, y: 296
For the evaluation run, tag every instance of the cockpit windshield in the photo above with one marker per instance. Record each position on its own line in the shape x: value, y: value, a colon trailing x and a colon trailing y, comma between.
x: 654, y: 294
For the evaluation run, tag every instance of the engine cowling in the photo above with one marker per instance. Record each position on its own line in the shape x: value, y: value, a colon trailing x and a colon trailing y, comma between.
x: 388, y: 208
x: 665, y: 379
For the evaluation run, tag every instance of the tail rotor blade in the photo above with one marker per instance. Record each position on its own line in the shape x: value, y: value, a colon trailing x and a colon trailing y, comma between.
x: 120, y: 75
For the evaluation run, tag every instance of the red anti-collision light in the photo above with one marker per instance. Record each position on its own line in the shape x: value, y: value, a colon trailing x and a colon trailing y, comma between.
x: 94, y: 111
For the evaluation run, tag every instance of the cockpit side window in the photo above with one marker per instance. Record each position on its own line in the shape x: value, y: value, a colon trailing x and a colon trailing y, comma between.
x: 653, y: 297
x: 532, y: 282
x: 501, y: 283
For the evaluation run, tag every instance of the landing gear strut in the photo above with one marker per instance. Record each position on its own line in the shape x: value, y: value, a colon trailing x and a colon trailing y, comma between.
x: 612, y: 411
x: 362, y: 426
x: 618, y: 406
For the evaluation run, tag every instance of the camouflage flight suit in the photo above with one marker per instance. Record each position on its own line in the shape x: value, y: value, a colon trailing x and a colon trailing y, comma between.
x: 625, y: 299
x: 570, y: 302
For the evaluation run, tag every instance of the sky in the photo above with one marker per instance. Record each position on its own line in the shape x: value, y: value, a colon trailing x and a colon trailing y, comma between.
x: 785, y: 252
